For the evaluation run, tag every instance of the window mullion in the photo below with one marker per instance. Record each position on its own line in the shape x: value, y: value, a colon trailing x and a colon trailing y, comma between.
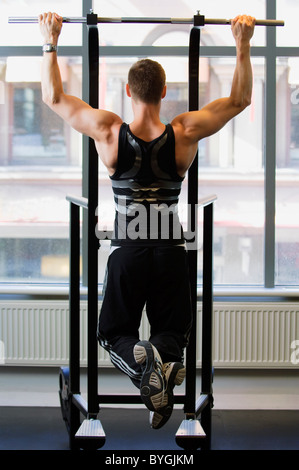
x: 270, y: 150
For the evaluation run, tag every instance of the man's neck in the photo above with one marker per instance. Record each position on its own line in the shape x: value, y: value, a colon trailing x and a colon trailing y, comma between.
x: 146, y: 123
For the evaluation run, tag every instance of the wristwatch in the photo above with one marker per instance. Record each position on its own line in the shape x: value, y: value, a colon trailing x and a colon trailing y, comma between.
x: 49, y: 48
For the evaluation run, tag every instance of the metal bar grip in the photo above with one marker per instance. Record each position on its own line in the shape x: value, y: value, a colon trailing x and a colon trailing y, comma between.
x: 219, y: 21
x: 34, y: 19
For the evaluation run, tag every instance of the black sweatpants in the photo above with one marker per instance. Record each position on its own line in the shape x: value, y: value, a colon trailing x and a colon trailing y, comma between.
x: 155, y: 278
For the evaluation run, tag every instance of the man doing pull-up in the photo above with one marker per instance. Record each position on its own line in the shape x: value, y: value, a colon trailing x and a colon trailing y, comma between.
x: 147, y: 162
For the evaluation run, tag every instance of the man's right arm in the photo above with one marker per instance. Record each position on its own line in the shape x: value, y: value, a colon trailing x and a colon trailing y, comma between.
x: 196, y: 125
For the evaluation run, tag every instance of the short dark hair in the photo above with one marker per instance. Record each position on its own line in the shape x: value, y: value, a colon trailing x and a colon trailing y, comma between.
x: 146, y: 80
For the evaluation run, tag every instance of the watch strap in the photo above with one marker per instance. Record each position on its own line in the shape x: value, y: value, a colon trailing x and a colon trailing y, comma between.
x: 49, y: 48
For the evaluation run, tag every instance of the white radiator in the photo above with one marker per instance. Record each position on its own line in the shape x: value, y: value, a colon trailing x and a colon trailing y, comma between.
x: 245, y: 335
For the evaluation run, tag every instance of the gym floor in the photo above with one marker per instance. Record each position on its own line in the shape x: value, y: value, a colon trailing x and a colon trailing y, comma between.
x: 257, y: 410
x: 35, y: 428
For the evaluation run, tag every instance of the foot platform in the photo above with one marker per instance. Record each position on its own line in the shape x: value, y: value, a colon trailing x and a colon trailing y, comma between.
x: 90, y: 435
x: 190, y: 434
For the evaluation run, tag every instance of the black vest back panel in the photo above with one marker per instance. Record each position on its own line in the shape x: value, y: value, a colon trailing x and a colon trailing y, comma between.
x: 146, y: 190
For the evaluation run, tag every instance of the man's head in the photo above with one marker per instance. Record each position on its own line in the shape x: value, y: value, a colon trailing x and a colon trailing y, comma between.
x: 146, y: 81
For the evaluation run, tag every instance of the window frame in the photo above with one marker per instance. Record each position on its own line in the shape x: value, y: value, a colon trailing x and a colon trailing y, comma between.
x: 270, y: 52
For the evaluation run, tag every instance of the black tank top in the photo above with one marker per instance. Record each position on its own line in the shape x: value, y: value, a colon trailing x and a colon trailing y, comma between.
x: 146, y: 190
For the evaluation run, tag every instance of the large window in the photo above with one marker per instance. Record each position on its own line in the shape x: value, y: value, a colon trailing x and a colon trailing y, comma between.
x: 41, y: 157
x: 287, y: 176
x: 40, y: 161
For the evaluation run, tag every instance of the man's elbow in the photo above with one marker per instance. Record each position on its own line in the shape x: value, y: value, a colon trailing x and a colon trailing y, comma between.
x: 247, y: 101
x: 50, y: 99
x: 241, y: 104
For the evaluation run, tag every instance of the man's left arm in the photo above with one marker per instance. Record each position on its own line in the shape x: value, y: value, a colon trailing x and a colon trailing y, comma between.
x: 212, y: 117
x: 96, y: 123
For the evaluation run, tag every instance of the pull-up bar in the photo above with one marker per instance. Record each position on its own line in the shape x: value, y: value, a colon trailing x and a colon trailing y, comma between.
x: 197, y: 20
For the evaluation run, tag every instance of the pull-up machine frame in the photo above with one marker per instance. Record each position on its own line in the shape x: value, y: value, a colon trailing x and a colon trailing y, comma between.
x: 190, y: 433
x: 90, y: 434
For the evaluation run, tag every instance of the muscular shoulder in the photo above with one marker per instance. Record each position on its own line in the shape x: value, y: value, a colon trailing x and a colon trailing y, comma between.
x: 185, y: 144
x: 107, y: 126
x: 106, y: 141
x: 185, y: 126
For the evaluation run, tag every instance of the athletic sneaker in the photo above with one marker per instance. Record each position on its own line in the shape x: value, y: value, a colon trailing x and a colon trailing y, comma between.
x: 152, y: 386
x: 174, y: 374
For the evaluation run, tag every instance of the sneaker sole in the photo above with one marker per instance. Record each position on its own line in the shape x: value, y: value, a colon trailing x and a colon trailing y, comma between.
x: 158, y: 420
x: 151, y: 387
x: 160, y: 417
x: 177, y: 375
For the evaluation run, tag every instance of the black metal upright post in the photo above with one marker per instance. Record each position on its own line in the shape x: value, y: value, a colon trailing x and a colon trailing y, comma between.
x: 194, y: 45
x: 93, y: 243
x: 207, y: 283
x: 74, y: 320
x: 207, y: 324
x: 206, y: 386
